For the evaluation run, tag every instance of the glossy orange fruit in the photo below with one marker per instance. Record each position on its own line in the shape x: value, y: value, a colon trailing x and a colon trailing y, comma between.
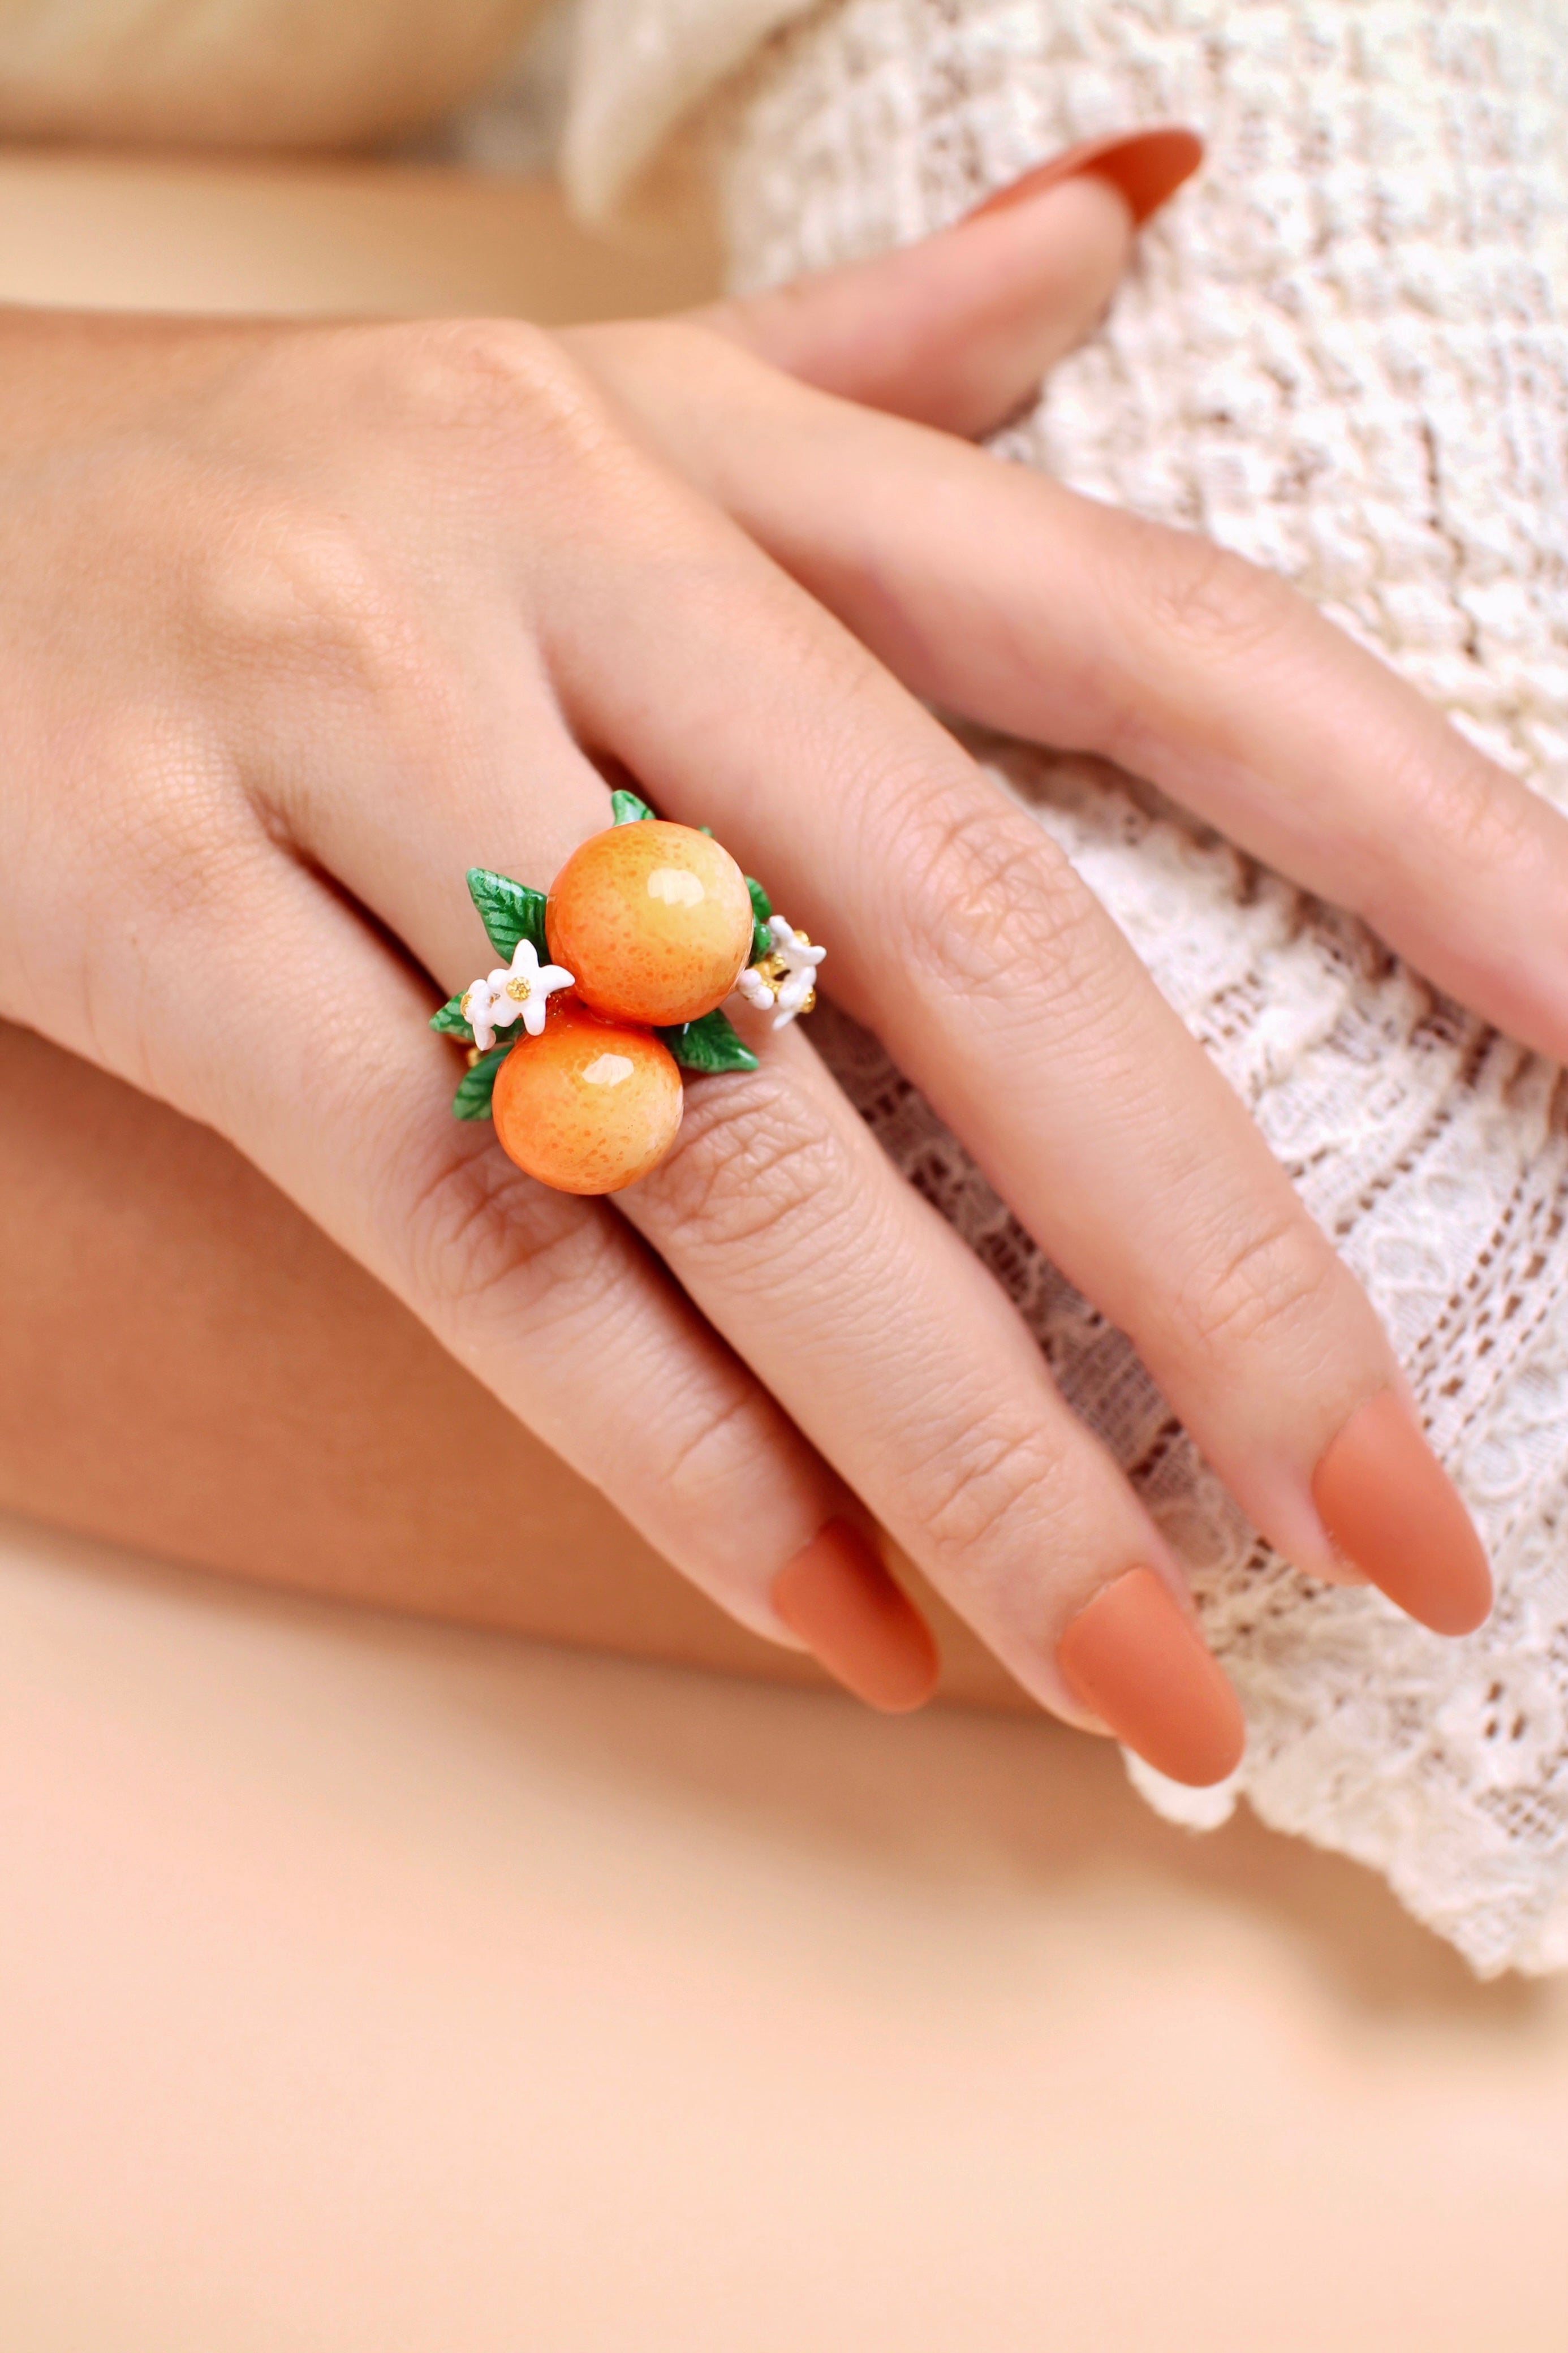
x: 589, y: 1105
x: 652, y: 920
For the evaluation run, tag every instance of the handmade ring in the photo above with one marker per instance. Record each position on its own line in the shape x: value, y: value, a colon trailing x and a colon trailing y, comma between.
x: 610, y: 984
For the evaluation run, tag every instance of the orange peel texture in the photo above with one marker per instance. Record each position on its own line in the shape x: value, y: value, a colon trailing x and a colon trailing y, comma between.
x: 589, y: 1105
x: 652, y: 920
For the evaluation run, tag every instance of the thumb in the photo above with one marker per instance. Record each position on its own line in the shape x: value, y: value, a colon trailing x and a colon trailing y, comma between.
x: 958, y: 331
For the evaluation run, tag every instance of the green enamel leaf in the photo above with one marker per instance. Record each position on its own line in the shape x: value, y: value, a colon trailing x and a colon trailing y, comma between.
x: 627, y: 809
x: 710, y: 1045
x: 762, y: 908
x: 450, y: 1022
x: 508, y: 911
x: 472, y: 1100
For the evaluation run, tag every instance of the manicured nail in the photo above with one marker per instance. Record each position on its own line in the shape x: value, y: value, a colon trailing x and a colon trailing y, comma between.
x: 1148, y: 166
x: 838, y: 1597
x: 1135, y: 1660
x: 1389, y: 1507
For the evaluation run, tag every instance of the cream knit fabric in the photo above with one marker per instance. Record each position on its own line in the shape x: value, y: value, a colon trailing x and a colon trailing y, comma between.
x: 1343, y: 352
x: 639, y: 69
x: 1342, y: 355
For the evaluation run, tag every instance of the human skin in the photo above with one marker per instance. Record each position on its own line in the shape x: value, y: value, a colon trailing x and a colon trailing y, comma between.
x: 191, y: 1367
x: 300, y: 608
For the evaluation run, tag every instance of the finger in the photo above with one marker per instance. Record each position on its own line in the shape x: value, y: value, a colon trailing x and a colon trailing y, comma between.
x: 962, y: 937
x: 335, y: 1087
x: 1000, y: 595
x: 834, y: 1282
x: 876, y: 1328
x: 959, y: 329
x: 1001, y: 1479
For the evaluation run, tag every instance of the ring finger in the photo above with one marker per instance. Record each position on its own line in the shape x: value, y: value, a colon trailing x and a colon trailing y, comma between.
x: 965, y: 939
x: 873, y: 1325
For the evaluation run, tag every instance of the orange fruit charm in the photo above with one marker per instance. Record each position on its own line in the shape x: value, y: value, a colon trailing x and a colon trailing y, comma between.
x: 652, y: 920
x: 589, y: 1105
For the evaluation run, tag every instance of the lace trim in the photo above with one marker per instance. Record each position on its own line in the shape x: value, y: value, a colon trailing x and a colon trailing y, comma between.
x: 1341, y: 354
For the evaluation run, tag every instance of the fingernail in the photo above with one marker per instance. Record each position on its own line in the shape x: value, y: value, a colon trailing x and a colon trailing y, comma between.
x: 1135, y: 1660
x: 1148, y: 166
x: 1389, y: 1507
x: 838, y: 1597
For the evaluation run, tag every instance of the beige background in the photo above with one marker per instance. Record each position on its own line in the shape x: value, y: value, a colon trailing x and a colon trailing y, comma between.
x: 372, y: 1988
x: 174, y: 233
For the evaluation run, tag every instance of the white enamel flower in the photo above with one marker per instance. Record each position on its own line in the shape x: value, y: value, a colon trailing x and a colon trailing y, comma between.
x: 797, y: 994
x: 520, y: 992
x: 785, y: 982
x: 793, y: 946
x: 798, y: 988
x: 754, y: 988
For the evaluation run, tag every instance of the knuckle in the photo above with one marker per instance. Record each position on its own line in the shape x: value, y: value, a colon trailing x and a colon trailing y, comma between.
x: 752, y: 1171
x: 481, y: 1237
x: 497, y: 381
x: 994, y: 1474
x: 1211, y: 604
x: 714, y: 1456
x: 1485, y: 818
x: 989, y: 903
x: 1257, y: 1289
x: 296, y: 587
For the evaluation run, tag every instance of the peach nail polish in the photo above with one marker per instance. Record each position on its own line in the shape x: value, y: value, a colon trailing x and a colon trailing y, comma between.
x: 1148, y: 166
x: 1389, y: 1507
x: 1134, y: 1659
x: 838, y: 1597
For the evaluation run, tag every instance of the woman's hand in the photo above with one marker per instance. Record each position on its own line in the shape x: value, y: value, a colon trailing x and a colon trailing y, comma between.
x: 298, y: 623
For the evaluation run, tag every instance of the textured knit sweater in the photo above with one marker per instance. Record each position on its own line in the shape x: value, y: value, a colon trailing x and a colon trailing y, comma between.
x: 1343, y: 354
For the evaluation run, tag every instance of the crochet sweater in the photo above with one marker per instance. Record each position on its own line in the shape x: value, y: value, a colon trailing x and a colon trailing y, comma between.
x: 1343, y: 352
